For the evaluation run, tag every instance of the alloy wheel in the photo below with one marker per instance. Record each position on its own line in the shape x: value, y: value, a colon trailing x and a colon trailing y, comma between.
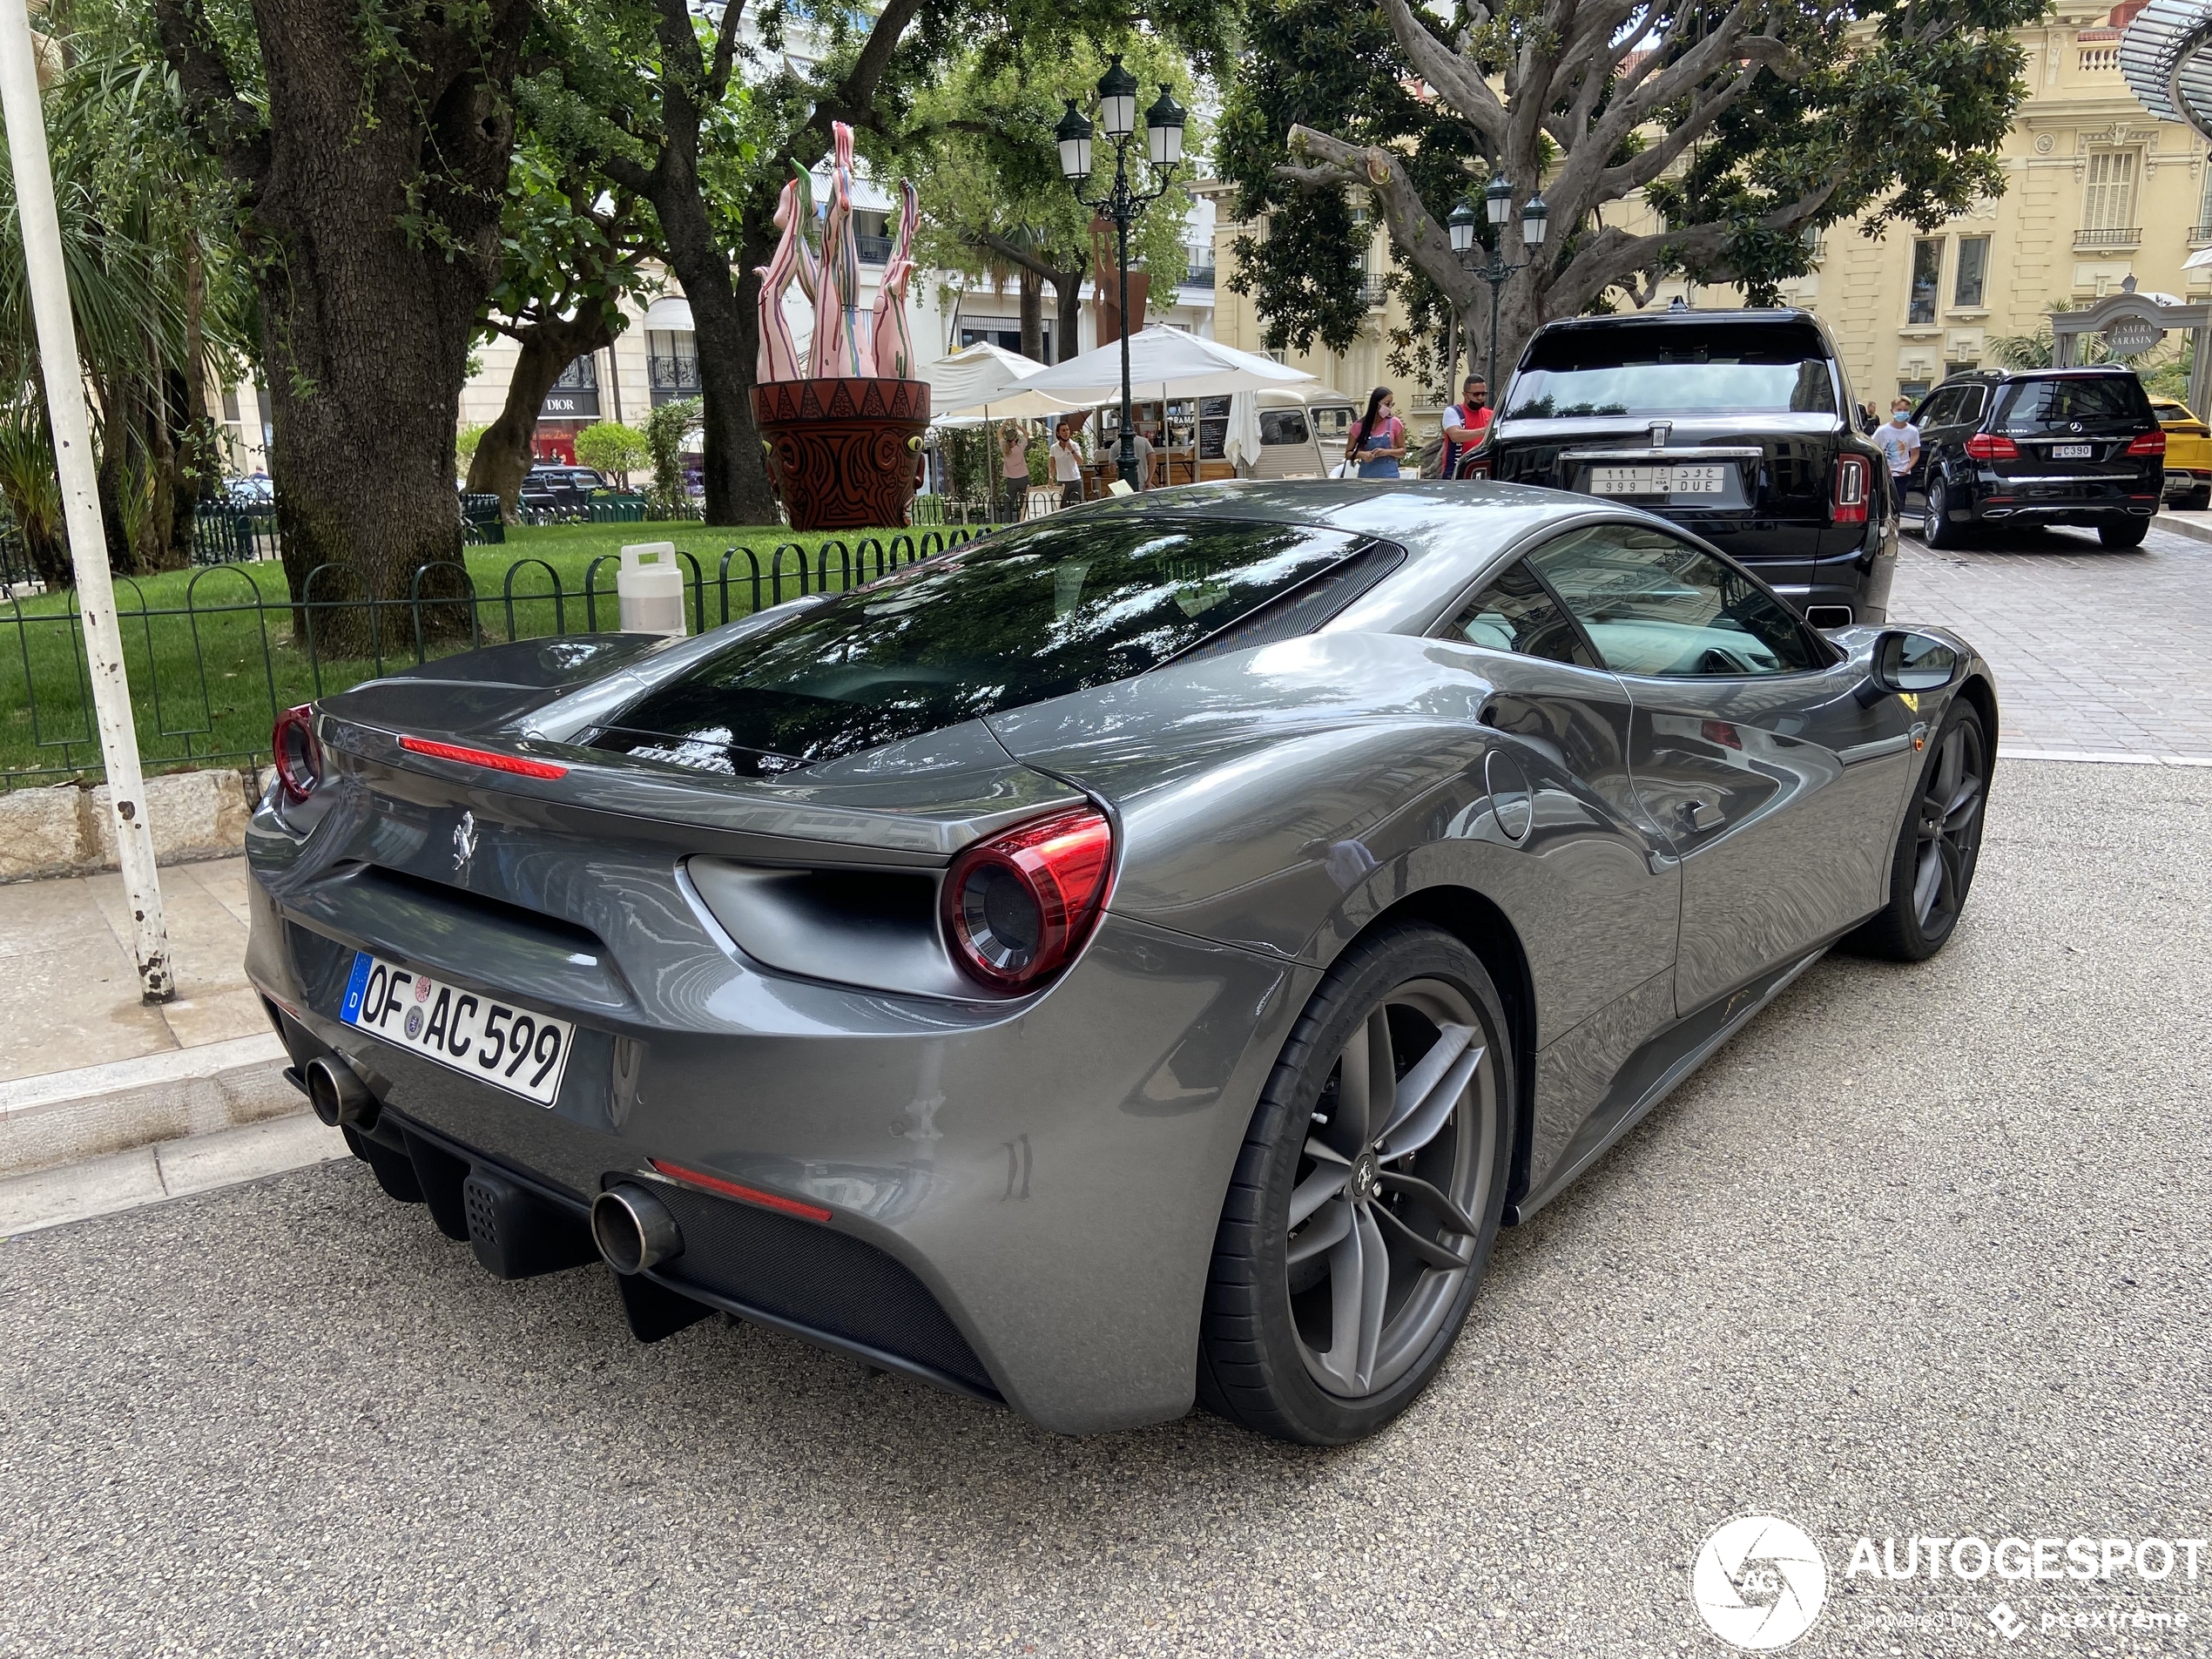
x: 1397, y: 1154
x: 1948, y: 828
x: 1932, y: 515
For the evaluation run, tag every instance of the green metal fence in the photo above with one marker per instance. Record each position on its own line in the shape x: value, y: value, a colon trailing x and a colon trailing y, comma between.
x: 210, y: 669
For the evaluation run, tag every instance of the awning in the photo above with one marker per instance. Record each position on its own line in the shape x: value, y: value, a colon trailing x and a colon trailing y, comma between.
x: 671, y: 314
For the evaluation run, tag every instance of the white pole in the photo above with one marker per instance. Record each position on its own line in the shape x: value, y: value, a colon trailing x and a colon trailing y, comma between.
x: 65, y: 377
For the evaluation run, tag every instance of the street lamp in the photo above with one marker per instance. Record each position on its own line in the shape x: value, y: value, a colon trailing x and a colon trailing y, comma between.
x: 1497, y: 206
x: 1121, y: 202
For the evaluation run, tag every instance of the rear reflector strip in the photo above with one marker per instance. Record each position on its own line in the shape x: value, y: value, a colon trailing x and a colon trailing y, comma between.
x: 751, y: 1195
x: 484, y: 758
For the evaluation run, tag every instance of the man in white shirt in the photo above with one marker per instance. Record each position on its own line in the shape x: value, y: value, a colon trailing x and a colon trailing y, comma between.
x: 1068, y: 466
x: 1899, y: 443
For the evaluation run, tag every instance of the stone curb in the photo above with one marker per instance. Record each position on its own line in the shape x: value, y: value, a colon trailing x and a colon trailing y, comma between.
x: 64, y: 829
x: 171, y: 1170
x: 67, y: 1117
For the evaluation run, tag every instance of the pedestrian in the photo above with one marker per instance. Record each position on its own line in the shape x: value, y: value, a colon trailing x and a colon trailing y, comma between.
x: 1465, y: 424
x: 1869, y: 422
x: 1899, y: 443
x: 1066, y: 466
x: 1014, y: 471
x: 1142, y: 447
x: 1378, y: 438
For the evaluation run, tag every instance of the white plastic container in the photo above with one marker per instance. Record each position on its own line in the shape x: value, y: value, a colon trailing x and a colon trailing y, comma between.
x: 650, y: 588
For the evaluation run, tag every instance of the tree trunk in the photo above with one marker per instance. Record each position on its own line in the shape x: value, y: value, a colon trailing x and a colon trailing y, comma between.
x: 374, y: 196
x: 726, y: 333
x: 1032, y: 315
x: 502, y: 457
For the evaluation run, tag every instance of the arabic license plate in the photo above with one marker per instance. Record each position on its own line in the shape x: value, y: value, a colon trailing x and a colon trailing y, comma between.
x: 511, y: 1049
x: 1655, y: 480
x: 2071, y: 452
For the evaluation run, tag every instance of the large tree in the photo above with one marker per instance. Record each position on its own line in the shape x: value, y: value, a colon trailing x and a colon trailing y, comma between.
x: 368, y: 141
x: 713, y: 125
x: 1743, y: 126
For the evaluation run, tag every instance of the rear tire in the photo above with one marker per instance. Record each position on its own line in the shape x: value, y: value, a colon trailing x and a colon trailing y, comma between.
x: 2197, y: 500
x: 1938, y: 846
x: 1936, y: 527
x: 1362, y: 1212
x: 2125, y: 532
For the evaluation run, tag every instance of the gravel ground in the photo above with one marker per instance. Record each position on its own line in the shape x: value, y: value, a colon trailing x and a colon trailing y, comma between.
x: 1924, y: 1252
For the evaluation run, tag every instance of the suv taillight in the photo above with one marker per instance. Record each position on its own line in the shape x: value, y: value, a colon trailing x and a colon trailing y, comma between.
x: 1018, y: 905
x: 1850, y: 504
x: 1475, y: 463
x: 1993, y: 446
x: 2151, y: 443
x: 297, y: 755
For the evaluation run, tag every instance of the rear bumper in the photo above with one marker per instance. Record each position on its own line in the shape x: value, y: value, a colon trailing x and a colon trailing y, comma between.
x: 1032, y: 1189
x: 2060, y: 512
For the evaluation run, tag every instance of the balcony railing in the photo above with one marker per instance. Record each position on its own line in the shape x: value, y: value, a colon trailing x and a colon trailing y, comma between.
x: 1198, y: 276
x: 874, y: 250
x: 2129, y: 238
x: 1375, y: 292
x: 673, y: 374
x: 2200, y: 232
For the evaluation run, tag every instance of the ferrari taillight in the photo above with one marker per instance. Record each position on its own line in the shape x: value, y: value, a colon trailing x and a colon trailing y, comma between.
x: 1849, y: 506
x: 1993, y: 446
x: 2151, y: 443
x: 297, y: 756
x: 1019, y: 904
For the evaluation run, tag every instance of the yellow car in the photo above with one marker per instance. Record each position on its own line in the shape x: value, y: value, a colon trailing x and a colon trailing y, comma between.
x: 2188, y: 455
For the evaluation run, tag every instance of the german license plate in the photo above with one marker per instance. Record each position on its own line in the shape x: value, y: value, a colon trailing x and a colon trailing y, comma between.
x: 511, y: 1049
x: 2071, y: 452
x: 1655, y: 480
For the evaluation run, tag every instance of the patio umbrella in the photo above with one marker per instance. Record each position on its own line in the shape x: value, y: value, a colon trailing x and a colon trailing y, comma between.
x: 1240, y: 446
x: 1167, y: 360
x: 984, y: 381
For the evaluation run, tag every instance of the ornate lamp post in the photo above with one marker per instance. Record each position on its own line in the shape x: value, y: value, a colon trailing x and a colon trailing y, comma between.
x: 1497, y: 204
x: 1121, y: 202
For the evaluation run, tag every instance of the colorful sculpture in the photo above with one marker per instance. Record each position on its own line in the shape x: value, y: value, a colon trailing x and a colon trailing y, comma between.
x: 893, y: 350
x: 840, y: 347
x: 844, y: 417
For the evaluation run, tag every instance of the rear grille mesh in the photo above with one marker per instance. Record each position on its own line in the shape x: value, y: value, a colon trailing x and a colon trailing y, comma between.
x: 813, y: 1277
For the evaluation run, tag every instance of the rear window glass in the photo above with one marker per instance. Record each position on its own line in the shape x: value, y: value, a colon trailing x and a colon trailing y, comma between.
x: 2099, y: 404
x: 1282, y: 426
x: 1031, y: 614
x: 1674, y: 369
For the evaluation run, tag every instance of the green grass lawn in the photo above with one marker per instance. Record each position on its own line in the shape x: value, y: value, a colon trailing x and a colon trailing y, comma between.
x: 212, y: 657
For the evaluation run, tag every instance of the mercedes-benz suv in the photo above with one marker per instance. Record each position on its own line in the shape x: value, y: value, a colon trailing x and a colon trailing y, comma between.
x: 2038, y: 445
x: 1735, y: 424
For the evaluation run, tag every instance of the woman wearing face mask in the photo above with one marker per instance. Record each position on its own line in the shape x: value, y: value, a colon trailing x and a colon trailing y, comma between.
x: 1899, y: 443
x: 1378, y: 437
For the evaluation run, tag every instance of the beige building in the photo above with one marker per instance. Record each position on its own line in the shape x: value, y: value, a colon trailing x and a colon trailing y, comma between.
x: 2096, y: 191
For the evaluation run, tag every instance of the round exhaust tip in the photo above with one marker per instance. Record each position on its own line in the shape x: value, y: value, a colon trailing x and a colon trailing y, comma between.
x: 633, y: 1229
x: 339, y: 1097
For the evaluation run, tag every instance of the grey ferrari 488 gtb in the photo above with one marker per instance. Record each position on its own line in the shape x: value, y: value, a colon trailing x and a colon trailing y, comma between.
x: 1140, y: 956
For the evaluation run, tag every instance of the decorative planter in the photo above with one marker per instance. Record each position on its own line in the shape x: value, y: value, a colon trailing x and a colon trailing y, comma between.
x: 841, y: 452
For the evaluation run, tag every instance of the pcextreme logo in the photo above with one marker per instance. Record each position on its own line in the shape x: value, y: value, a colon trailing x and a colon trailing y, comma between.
x: 1759, y: 1584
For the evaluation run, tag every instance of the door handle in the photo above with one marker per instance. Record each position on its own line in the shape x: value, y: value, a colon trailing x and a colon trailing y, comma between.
x: 1701, y: 815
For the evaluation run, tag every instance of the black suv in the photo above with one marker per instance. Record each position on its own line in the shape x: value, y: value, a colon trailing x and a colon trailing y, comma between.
x: 2039, y: 445
x: 551, y: 488
x: 1735, y: 424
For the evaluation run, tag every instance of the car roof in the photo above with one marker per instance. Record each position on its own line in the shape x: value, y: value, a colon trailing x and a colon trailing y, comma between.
x: 1686, y: 317
x: 2072, y: 371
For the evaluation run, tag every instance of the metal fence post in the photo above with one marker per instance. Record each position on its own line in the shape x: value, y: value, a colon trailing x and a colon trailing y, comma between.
x: 65, y: 377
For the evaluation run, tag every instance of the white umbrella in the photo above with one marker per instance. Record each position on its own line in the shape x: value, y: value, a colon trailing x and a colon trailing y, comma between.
x: 988, y: 378
x: 1176, y: 364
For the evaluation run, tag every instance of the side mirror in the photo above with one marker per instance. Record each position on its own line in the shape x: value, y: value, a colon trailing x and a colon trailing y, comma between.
x: 1909, y: 662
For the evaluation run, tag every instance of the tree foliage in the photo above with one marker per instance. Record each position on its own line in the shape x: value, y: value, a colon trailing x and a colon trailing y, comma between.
x: 1742, y: 125
x: 609, y: 446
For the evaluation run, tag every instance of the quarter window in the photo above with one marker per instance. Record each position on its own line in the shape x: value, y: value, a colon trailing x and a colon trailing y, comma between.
x: 1656, y: 606
x: 1516, y: 613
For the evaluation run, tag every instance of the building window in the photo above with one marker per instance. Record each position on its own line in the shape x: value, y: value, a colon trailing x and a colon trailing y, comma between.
x: 672, y: 365
x: 2109, y: 200
x: 1927, y: 277
x: 1972, y: 282
x: 2202, y: 231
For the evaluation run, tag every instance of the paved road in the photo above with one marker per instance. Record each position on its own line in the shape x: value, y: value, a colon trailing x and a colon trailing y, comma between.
x: 1925, y: 1251
x: 2097, y: 649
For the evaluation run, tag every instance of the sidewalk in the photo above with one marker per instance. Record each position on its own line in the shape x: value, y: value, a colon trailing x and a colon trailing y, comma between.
x: 95, y: 1085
